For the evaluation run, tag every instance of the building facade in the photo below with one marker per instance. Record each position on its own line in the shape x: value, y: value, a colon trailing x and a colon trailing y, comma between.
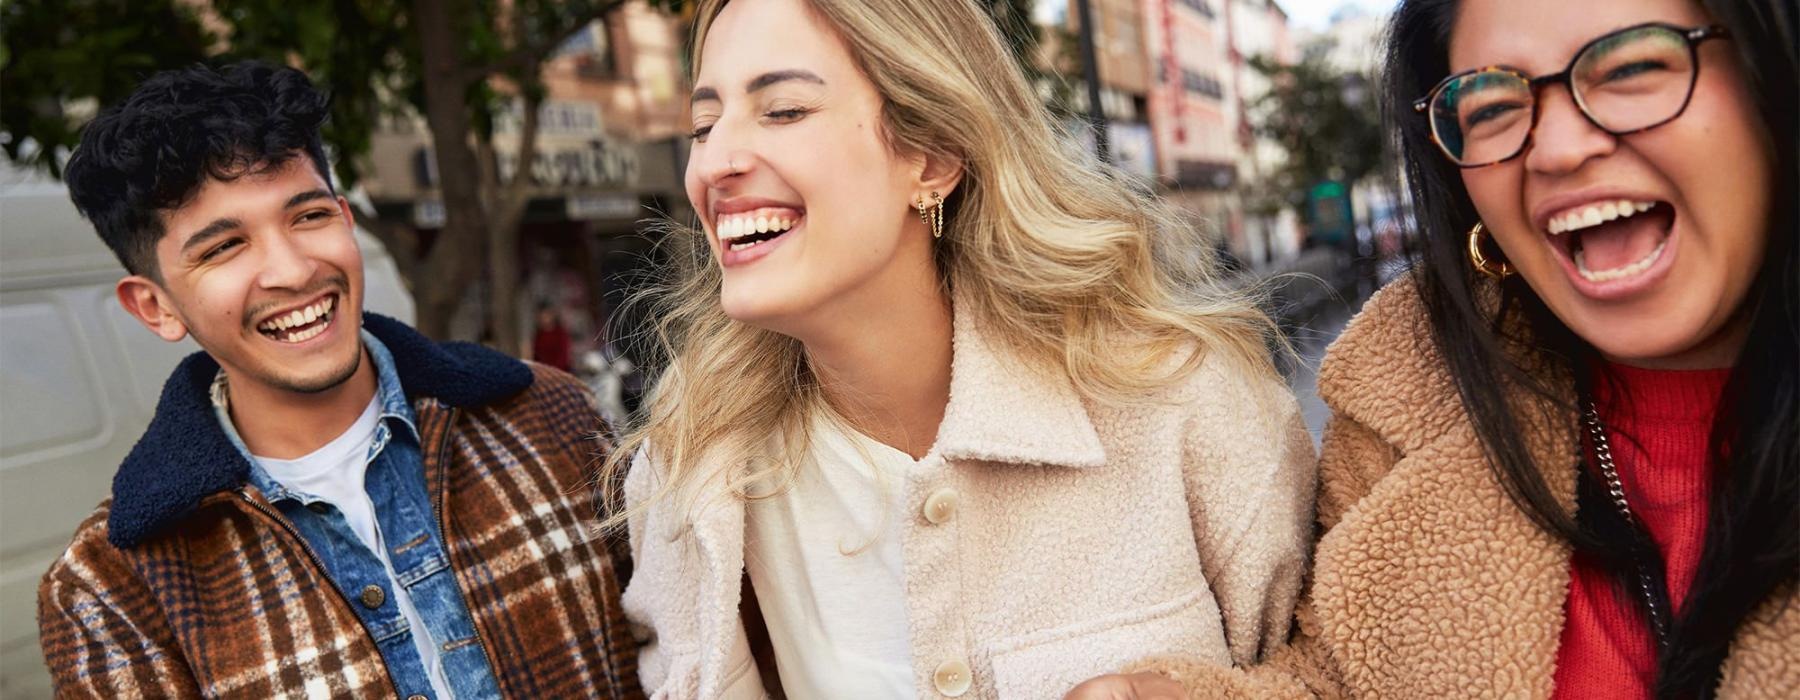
x: 1176, y: 84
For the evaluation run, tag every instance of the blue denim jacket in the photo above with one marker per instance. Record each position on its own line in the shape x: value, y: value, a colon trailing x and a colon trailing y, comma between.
x: 395, y: 482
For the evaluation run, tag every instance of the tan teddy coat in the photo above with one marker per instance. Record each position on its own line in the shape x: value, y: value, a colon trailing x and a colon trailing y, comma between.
x: 1085, y: 536
x: 1429, y: 582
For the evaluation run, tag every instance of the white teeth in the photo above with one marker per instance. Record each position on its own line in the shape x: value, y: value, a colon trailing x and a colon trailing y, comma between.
x: 1620, y: 272
x: 1595, y: 214
x: 304, y: 335
x: 299, y: 317
x: 734, y: 226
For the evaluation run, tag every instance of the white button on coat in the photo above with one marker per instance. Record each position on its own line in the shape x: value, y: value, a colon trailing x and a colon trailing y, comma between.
x: 951, y: 678
x: 940, y: 506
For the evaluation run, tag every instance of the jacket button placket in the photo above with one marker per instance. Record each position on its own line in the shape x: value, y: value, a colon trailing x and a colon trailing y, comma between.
x: 934, y: 567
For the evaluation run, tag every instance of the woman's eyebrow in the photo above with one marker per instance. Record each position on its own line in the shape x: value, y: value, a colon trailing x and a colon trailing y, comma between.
x: 781, y: 76
x: 705, y: 94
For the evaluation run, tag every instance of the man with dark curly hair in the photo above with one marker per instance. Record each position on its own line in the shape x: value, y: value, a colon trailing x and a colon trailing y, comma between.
x: 326, y: 504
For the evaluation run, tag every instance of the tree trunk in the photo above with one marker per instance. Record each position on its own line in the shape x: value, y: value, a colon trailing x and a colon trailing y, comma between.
x: 454, y: 258
x: 506, y: 210
x: 401, y: 242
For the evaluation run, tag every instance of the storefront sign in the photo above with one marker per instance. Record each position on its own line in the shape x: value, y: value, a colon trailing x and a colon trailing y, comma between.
x: 597, y: 163
x: 588, y: 207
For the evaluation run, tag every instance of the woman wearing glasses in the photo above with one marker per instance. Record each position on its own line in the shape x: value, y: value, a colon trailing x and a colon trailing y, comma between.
x: 1565, y: 454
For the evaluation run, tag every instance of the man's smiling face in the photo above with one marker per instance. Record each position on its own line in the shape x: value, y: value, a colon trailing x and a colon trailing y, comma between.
x: 265, y: 272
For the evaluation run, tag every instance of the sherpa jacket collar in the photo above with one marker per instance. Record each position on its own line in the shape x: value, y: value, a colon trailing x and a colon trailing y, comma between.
x: 185, y: 454
x: 1004, y: 412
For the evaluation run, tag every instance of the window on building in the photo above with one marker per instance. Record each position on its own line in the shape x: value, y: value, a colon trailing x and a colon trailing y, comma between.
x: 1201, y: 6
x: 592, y: 50
x: 1193, y: 81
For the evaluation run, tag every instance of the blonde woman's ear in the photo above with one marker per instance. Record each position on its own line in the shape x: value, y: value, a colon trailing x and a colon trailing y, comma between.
x: 940, y: 174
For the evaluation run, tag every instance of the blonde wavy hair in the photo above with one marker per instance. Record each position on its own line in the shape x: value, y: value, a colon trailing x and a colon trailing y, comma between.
x: 1058, y: 259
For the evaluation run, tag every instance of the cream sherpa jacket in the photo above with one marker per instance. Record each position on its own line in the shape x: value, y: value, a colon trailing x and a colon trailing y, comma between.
x: 1083, y: 536
x: 1429, y: 582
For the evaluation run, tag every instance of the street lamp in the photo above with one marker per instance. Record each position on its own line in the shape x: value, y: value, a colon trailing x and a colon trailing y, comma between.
x: 1095, y: 112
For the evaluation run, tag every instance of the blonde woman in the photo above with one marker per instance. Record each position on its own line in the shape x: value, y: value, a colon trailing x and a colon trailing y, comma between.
x: 949, y: 412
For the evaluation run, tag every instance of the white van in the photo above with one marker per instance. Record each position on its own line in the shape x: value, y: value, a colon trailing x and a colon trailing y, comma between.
x: 79, y: 380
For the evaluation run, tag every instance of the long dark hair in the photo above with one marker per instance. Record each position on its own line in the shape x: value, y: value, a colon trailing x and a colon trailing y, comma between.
x: 1752, y: 541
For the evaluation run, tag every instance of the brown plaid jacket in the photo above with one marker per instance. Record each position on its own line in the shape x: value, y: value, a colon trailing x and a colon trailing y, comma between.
x: 188, y: 583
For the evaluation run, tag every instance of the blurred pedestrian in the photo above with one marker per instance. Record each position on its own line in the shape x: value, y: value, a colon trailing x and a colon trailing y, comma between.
x: 943, y: 416
x: 1563, y: 461
x: 326, y: 503
x: 550, y: 342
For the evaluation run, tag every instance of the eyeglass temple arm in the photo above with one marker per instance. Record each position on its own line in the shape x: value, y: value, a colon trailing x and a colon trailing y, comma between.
x: 1699, y: 34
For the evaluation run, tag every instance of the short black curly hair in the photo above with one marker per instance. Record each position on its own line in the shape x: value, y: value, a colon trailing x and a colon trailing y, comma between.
x: 154, y: 151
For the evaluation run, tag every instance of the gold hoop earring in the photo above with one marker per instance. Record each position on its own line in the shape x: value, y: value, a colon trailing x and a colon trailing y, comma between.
x: 1496, y: 269
x: 932, y: 215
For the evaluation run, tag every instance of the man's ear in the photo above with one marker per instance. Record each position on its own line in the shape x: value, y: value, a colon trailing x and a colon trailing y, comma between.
x: 146, y: 301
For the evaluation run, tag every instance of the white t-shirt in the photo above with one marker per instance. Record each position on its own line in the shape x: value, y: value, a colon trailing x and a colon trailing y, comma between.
x: 335, y: 474
x: 825, y: 558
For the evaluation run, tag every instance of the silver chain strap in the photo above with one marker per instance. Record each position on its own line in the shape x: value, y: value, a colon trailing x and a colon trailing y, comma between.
x: 1616, y: 490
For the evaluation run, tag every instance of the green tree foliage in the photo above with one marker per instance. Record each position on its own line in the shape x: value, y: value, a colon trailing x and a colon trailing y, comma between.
x: 361, y: 51
x: 1323, y: 117
x: 60, y: 60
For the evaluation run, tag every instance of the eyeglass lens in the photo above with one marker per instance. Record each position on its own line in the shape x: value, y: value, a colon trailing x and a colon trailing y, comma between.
x: 1631, y: 80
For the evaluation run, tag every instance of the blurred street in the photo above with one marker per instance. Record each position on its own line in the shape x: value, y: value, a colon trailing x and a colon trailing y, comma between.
x: 1310, y: 342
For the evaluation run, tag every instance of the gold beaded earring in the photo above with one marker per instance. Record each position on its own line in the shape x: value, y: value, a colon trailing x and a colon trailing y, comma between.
x: 932, y: 215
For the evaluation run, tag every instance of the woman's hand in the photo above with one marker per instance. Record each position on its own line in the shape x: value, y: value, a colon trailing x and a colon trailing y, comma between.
x: 1136, y: 686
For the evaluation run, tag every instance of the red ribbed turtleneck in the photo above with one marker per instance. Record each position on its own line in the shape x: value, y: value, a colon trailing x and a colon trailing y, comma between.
x: 1658, y: 423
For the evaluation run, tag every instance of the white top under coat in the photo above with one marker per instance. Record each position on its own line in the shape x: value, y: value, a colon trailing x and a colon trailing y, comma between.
x: 825, y: 559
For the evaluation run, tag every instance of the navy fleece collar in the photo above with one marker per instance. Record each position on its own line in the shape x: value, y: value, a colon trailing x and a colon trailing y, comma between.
x: 185, y: 455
